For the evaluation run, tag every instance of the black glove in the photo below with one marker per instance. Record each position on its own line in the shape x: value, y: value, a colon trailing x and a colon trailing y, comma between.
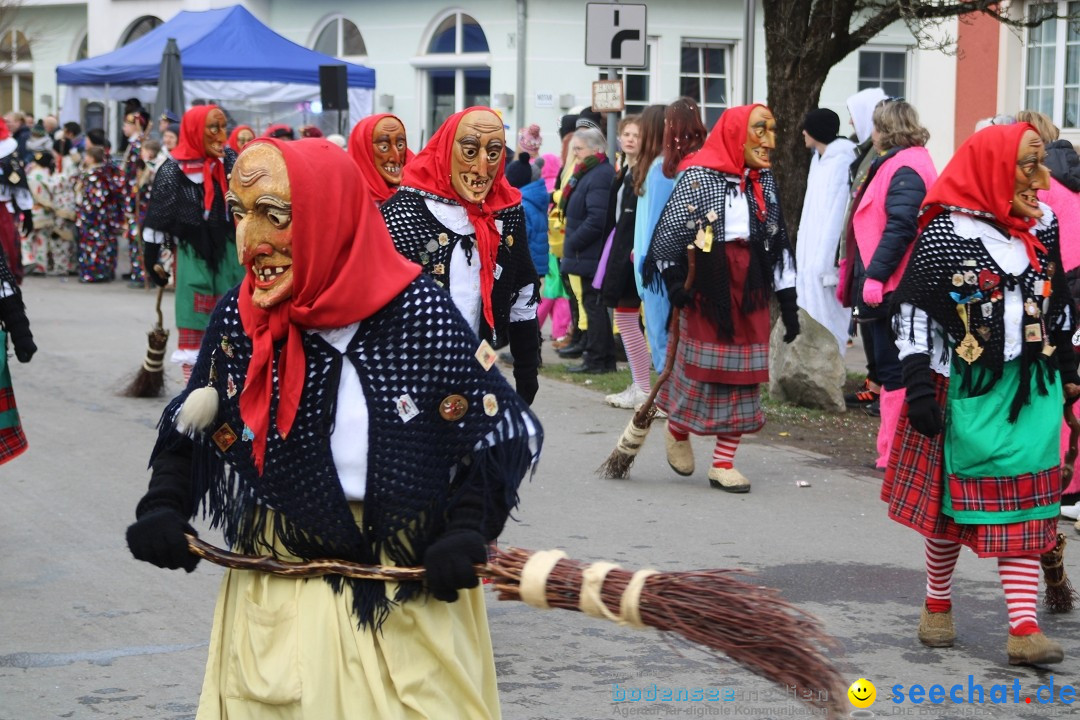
x: 789, y: 313
x: 151, y: 256
x: 924, y: 413
x: 157, y: 536
x: 13, y: 316
x: 448, y: 562
x: 27, y: 217
x: 525, y: 347
x: 1066, y: 358
x: 674, y: 280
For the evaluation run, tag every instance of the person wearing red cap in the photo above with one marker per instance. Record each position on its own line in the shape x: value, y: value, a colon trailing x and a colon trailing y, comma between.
x: 457, y: 216
x: 325, y: 419
x: 187, y: 213
x: 725, y: 204
x: 380, y: 149
x: 985, y: 343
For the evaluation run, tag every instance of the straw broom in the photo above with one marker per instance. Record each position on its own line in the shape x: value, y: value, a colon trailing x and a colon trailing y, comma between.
x: 1059, y: 596
x: 753, y: 625
x: 633, y: 437
x: 149, y: 381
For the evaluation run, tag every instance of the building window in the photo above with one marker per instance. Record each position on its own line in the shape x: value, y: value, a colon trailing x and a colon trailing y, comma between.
x: 139, y: 28
x: 886, y: 69
x: 341, y: 38
x: 1052, y: 63
x: 705, y: 76
x: 17, y: 80
x: 638, y: 82
x: 83, y: 52
x: 457, y: 68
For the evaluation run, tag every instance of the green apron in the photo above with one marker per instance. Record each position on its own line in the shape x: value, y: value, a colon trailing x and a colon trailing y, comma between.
x: 984, y: 451
x: 195, y: 277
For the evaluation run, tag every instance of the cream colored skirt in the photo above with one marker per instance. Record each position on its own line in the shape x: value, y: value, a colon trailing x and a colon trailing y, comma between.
x: 285, y: 649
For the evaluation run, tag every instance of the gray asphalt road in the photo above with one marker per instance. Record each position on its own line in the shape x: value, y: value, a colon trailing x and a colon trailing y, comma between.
x: 87, y: 632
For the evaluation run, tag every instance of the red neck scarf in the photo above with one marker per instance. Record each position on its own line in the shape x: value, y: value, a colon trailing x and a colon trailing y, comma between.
x: 190, y: 154
x: 430, y: 171
x: 234, y: 137
x: 981, y: 177
x: 723, y: 151
x: 362, y: 151
x: 345, y: 269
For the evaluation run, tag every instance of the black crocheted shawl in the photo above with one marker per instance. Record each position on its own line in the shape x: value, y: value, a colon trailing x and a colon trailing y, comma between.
x: 699, y: 201
x: 419, y: 346
x: 176, y: 209
x: 420, y: 237
x: 947, y: 269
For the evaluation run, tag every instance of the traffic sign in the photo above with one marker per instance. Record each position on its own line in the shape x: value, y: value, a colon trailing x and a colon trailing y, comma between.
x: 607, y: 95
x: 615, y: 35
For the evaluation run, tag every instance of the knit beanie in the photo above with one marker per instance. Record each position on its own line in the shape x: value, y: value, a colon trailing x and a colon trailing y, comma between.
x: 822, y: 124
x: 589, y: 118
x: 567, y: 125
x: 519, y: 172
x: 528, y: 139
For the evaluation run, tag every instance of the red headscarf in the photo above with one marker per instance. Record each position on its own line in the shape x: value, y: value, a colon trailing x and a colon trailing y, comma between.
x: 338, y: 236
x: 234, y: 137
x: 361, y: 150
x: 723, y: 150
x: 190, y: 153
x: 982, y: 177
x: 430, y: 171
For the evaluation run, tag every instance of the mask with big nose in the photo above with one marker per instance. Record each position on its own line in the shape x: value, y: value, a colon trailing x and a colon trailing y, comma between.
x: 260, y: 200
x: 479, y: 144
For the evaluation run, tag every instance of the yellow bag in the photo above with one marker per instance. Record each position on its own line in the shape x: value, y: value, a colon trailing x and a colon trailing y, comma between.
x: 556, y: 231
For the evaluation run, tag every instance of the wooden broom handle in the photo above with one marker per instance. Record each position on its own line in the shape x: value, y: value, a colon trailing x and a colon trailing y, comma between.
x: 641, y: 416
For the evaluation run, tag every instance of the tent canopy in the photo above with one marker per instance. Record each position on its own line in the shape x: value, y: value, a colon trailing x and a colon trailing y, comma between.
x: 224, y: 44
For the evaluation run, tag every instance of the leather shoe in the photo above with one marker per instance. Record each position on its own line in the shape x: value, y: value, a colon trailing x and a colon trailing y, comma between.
x: 571, y: 352
x: 592, y: 368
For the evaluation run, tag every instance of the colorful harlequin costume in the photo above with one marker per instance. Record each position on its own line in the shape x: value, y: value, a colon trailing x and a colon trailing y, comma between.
x: 984, y: 334
x: 341, y: 426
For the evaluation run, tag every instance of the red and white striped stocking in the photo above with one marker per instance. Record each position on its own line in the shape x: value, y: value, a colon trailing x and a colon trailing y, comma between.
x: 1020, y: 580
x: 724, y: 452
x: 940, y: 562
x: 637, y: 351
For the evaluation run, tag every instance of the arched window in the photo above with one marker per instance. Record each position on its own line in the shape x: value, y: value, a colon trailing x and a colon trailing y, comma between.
x: 139, y: 28
x: 341, y: 38
x: 83, y: 51
x: 457, y: 68
x: 17, y: 80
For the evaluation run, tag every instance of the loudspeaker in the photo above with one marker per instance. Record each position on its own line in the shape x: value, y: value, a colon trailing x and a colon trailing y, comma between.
x: 333, y: 89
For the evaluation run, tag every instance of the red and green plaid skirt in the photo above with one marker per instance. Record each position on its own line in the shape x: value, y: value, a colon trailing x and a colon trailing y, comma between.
x: 705, y: 408
x: 914, y: 489
x: 12, y: 440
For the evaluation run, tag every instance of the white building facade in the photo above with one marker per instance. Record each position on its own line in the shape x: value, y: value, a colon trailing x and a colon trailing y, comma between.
x: 432, y: 58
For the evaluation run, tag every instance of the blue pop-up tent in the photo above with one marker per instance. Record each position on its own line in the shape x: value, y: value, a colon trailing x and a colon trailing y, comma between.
x: 226, y: 54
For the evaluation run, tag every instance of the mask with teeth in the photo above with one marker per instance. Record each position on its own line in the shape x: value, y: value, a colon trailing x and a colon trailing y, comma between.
x: 214, y: 136
x: 760, y: 139
x: 1030, y: 175
x: 477, y: 154
x: 260, y: 200
x: 389, y: 148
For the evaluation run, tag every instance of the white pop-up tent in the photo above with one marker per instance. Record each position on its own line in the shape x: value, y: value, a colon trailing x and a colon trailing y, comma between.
x: 226, y: 55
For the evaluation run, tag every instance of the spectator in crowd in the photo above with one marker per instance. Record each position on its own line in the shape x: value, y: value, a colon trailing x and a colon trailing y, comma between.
x: 584, y: 203
x: 280, y: 131
x: 619, y: 289
x: 885, y: 225
x: 170, y: 138
x: 820, y: 224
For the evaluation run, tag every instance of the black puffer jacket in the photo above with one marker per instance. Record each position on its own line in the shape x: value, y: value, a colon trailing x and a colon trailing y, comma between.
x: 619, y: 282
x: 1064, y: 164
x: 586, y: 215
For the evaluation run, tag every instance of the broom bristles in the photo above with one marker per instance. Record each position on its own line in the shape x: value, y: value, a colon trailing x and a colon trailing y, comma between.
x: 618, y: 463
x: 149, y: 381
x: 753, y: 625
x: 1060, y: 596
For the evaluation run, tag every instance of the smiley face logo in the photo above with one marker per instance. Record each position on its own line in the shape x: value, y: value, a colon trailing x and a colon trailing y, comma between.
x: 862, y: 693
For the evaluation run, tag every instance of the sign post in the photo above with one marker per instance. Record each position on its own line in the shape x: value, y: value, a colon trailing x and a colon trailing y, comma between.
x: 615, y: 35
